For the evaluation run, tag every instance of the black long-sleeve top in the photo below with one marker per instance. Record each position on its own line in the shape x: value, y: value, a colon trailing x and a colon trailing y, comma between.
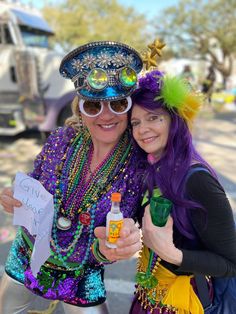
x: 215, y: 253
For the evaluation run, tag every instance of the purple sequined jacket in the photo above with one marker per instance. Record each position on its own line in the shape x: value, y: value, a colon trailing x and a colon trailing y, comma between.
x: 80, y: 282
x: 45, y: 171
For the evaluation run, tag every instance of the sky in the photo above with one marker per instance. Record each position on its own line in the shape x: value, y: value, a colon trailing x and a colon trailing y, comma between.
x: 148, y: 7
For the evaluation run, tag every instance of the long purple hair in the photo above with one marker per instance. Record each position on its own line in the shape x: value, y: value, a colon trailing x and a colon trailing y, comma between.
x: 169, y: 173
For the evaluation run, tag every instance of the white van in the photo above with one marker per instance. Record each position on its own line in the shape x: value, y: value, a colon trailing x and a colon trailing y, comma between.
x: 32, y: 92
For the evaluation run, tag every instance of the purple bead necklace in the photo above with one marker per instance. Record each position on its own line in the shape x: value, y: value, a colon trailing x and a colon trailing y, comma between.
x: 75, y: 196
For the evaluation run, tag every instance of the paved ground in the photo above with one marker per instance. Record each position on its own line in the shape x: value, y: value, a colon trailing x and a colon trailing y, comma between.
x: 215, y: 137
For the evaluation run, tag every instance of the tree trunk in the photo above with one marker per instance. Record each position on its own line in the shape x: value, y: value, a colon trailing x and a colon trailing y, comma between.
x: 224, y: 81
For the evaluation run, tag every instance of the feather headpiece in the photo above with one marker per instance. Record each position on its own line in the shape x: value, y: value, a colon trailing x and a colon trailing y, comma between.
x: 175, y: 92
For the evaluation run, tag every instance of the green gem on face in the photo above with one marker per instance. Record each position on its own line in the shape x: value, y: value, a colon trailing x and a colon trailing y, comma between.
x: 97, y: 79
x: 128, y: 77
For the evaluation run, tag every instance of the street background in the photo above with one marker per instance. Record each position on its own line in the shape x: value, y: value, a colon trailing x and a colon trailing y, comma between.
x: 215, y: 138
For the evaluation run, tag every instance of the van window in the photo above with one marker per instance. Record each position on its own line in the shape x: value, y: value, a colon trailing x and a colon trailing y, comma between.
x: 7, y: 35
x: 33, y: 37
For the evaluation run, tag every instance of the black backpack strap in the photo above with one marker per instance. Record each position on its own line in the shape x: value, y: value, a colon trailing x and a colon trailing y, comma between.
x: 196, y: 169
x: 200, y: 280
x: 202, y: 289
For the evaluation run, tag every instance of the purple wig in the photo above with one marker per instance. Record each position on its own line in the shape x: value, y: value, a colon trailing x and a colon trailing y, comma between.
x: 168, y: 173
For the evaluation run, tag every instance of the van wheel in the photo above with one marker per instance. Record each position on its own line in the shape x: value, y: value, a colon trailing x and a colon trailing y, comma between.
x: 64, y: 114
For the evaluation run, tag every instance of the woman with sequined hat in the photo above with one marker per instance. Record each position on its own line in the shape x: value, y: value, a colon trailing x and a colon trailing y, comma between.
x: 81, y: 165
x: 187, y: 222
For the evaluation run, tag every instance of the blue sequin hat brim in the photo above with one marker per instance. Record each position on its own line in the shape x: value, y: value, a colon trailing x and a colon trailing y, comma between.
x: 108, y: 57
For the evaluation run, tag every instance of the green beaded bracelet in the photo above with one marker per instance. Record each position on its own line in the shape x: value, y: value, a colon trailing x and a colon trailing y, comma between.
x: 97, y: 254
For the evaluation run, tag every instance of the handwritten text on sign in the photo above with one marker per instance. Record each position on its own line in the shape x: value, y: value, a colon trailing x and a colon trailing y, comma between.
x: 36, y: 215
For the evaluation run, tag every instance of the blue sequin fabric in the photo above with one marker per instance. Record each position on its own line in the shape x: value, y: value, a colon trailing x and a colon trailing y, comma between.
x: 82, y: 286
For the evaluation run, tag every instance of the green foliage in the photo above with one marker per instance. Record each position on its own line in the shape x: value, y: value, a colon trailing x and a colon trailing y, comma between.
x: 201, y: 29
x: 77, y: 22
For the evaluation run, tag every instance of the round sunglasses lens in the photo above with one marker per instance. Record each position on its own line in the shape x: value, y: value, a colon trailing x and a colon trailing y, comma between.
x: 119, y: 106
x: 92, y: 108
x: 128, y: 77
x: 97, y: 79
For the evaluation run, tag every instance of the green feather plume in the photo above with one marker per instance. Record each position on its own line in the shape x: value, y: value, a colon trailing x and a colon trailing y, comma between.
x: 174, y: 92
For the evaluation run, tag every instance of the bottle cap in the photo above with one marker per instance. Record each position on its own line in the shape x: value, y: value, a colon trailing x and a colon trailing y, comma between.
x: 116, y: 197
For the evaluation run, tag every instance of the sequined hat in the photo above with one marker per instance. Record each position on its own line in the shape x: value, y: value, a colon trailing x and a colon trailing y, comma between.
x: 103, y: 70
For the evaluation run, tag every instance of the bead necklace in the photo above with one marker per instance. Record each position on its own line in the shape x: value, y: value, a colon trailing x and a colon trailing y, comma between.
x: 78, y: 170
x: 73, y: 243
x: 150, y: 292
x: 88, y: 195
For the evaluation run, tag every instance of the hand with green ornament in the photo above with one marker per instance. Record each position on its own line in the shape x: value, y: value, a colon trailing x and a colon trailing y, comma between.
x: 160, y: 209
x: 160, y: 239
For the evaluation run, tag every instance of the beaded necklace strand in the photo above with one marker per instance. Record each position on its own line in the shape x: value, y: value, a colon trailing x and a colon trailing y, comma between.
x: 150, y: 294
x: 77, y: 195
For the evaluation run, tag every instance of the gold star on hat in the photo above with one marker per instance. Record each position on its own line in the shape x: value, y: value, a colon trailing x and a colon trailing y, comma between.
x: 148, y: 60
x: 156, y: 47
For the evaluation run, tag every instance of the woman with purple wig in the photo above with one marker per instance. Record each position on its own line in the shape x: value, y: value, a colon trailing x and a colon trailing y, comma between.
x: 198, y: 237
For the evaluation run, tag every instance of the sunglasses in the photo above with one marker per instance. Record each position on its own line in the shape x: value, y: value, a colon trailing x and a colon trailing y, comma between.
x: 94, y: 108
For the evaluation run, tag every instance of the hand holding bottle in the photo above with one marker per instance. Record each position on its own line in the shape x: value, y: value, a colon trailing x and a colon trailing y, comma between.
x: 128, y: 243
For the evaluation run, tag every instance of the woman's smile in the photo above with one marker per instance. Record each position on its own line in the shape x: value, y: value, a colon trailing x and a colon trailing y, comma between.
x: 148, y: 140
x: 108, y: 127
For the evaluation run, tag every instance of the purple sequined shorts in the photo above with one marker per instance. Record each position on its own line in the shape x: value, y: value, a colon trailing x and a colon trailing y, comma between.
x: 86, y: 289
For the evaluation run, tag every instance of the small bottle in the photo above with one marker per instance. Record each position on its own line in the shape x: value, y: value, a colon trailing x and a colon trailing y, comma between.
x: 114, y: 221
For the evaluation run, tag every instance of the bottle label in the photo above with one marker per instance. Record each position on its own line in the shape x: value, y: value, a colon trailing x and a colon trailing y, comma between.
x: 114, y: 230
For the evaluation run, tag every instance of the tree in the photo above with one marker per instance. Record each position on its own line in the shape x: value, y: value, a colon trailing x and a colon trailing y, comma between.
x: 202, y: 29
x: 76, y: 22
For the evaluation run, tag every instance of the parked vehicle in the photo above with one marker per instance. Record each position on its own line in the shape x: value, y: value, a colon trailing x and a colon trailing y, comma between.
x: 32, y: 92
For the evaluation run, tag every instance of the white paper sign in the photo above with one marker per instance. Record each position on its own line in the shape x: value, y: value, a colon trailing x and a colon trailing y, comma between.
x: 36, y: 215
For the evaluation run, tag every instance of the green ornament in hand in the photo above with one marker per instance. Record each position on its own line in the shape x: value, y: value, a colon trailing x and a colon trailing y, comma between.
x: 160, y: 209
